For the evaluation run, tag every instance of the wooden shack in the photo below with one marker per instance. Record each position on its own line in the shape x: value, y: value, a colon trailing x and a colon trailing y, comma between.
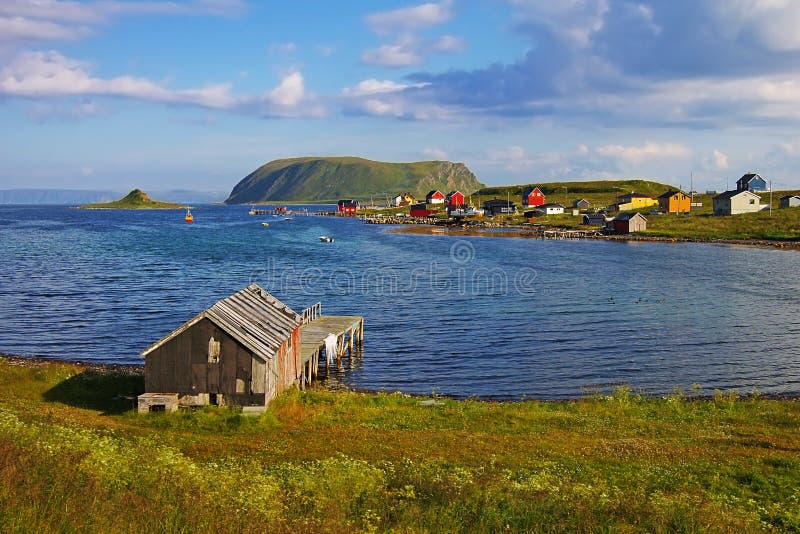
x: 244, y: 350
x: 628, y: 223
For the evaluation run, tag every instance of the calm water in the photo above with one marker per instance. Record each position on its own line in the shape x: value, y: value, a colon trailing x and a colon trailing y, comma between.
x: 493, y: 317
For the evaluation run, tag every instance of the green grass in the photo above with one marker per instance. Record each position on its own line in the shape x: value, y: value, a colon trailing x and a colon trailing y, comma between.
x: 71, y: 460
x: 135, y: 200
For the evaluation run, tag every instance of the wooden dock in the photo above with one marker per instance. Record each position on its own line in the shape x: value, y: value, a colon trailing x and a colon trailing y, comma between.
x: 349, y: 332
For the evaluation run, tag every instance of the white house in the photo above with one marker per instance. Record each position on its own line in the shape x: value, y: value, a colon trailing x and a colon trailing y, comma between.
x: 736, y: 202
x: 551, y: 209
x: 790, y: 201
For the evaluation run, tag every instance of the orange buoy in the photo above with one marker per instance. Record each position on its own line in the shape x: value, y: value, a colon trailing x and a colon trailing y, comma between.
x: 188, y: 217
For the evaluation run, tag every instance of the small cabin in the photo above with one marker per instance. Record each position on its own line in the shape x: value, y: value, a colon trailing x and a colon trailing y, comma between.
x: 499, y: 207
x: 454, y: 198
x: 551, y: 209
x: 434, y: 197
x: 347, y: 207
x: 595, y: 219
x: 790, y: 201
x: 581, y: 204
x: 675, y: 202
x: 532, y: 197
x: 628, y: 223
x: 421, y: 210
x: 751, y: 182
x: 244, y: 350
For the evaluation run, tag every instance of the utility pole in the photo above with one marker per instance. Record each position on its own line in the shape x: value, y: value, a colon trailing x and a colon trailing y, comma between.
x: 770, y: 198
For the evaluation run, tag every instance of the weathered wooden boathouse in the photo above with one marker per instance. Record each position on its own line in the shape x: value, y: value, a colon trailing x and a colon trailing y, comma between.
x: 244, y: 350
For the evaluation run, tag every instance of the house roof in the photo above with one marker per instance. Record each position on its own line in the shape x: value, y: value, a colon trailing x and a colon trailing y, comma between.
x: 527, y: 191
x: 790, y: 196
x: 671, y: 193
x: 498, y: 202
x: 629, y: 216
x: 431, y: 193
x: 551, y: 205
x: 731, y: 194
x: 252, y: 316
x: 451, y: 193
x: 750, y: 176
x: 634, y: 195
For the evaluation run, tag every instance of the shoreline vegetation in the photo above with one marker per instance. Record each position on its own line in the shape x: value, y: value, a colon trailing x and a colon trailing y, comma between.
x: 75, y: 457
x: 135, y: 200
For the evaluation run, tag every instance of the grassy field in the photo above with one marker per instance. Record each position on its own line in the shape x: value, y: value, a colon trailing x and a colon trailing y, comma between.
x: 74, y: 458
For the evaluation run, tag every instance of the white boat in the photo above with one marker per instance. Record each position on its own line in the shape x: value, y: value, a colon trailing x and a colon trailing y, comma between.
x: 264, y: 224
x: 326, y: 239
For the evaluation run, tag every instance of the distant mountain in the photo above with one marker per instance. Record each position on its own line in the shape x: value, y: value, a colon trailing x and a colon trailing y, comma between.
x: 54, y: 196
x: 330, y: 179
x: 135, y: 200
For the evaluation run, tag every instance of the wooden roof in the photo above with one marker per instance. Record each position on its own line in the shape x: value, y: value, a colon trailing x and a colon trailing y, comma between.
x: 252, y: 316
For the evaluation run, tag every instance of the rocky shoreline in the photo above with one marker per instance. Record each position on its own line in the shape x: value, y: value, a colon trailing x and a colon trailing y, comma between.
x: 529, y: 233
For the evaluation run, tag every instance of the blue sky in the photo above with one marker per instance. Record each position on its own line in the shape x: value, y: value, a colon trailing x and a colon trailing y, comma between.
x: 195, y: 94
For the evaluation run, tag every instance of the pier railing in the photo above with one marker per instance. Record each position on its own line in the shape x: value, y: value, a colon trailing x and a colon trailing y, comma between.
x: 312, y: 313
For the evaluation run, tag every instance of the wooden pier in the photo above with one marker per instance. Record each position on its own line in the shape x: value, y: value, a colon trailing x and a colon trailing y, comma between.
x: 349, y: 332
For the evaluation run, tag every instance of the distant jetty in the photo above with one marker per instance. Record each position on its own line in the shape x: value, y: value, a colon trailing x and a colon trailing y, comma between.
x: 135, y: 200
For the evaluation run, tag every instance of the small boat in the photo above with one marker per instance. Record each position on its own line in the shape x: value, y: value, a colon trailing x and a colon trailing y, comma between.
x: 326, y: 239
x: 287, y: 218
x: 264, y: 224
x: 189, y: 218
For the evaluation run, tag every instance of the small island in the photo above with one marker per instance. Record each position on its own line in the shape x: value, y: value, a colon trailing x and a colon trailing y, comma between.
x: 135, y: 200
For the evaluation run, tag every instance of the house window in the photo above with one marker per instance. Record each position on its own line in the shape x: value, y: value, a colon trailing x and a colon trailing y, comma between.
x: 213, y: 351
x: 752, y: 201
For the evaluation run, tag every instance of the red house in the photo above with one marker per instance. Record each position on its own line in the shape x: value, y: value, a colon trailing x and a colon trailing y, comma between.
x: 532, y: 196
x: 435, y: 197
x: 421, y: 210
x: 454, y: 198
x: 347, y: 207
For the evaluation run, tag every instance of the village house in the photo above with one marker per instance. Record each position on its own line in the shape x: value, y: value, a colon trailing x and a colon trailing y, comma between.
x: 628, y: 223
x: 347, y: 207
x: 736, y: 202
x: 633, y: 201
x: 595, y: 219
x: 499, y: 207
x: 675, y: 202
x: 581, y: 204
x: 532, y: 197
x: 751, y: 182
x: 421, y: 210
x: 551, y: 209
x: 434, y: 197
x: 244, y: 350
x: 405, y: 199
x: 790, y: 201
x: 454, y: 199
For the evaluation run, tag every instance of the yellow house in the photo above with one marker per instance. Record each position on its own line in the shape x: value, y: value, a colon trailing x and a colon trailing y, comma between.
x: 634, y: 201
x: 675, y: 202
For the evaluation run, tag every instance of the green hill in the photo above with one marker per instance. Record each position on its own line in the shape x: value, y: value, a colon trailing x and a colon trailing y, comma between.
x: 135, y: 200
x: 330, y: 179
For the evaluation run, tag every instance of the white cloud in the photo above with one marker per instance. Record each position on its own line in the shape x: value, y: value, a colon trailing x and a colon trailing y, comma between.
x: 773, y: 23
x: 373, y: 86
x: 41, y: 75
x: 50, y: 74
x: 401, y: 54
x: 447, y: 44
x: 636, y: 154
x: 411, y: 18
x: 575, y: 21
x: 17, y: 29
x: 290, y: 90
x: 719, y: 160
x: 436, y: 154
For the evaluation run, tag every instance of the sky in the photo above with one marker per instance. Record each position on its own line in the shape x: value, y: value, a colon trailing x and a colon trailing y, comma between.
x: 196, y: 94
